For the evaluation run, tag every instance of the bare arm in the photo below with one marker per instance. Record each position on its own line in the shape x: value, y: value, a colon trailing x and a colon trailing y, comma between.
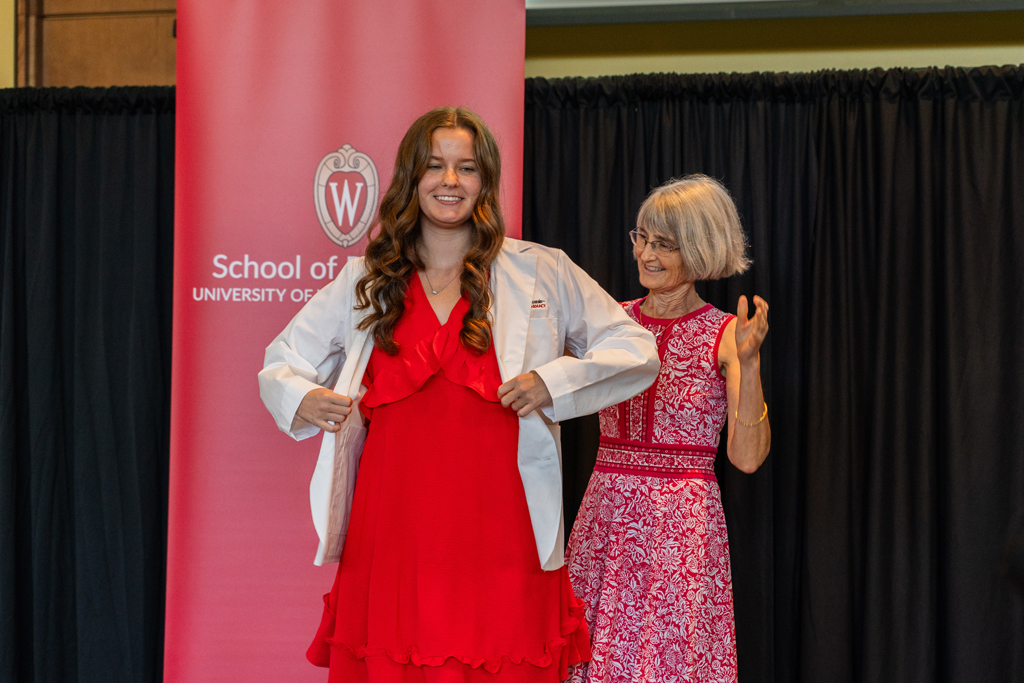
x: 750, y: 435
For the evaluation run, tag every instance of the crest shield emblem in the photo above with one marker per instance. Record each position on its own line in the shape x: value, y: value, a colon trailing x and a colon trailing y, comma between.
x: 346, y: 192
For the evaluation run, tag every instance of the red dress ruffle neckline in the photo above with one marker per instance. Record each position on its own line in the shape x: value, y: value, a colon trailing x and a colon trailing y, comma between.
x: 440, y: 581
x: 442, y: 351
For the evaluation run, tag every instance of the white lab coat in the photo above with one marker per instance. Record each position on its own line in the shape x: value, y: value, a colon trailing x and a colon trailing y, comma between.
x: 543, y: 303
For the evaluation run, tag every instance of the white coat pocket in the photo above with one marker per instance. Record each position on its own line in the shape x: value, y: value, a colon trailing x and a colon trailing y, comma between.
x: 542, y: 342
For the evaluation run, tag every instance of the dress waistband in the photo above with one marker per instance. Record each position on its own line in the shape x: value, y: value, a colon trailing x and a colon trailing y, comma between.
x: 669, y: 461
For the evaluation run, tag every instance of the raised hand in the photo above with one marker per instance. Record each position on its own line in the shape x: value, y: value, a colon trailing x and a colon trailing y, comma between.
x: 750, y: 332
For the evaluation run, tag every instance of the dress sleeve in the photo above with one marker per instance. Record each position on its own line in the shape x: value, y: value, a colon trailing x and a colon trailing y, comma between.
x: 615, y: 358
x: 309, y: 352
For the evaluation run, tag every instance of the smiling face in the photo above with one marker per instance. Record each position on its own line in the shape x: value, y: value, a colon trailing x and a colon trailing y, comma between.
x: 449, y: 189
x: 658, y: 272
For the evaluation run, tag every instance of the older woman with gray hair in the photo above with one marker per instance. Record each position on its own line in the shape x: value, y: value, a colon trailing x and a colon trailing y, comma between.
x: 649, y: 555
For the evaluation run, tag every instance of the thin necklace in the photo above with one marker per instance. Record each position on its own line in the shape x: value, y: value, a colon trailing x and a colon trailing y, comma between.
x: 660, y: 335
x: 438, y: 291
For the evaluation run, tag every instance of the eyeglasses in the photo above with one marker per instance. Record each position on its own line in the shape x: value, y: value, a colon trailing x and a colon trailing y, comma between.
x: 640, y: 240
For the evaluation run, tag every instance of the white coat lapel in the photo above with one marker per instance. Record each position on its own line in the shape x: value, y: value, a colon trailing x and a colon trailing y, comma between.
x: 514, y: 276
x: 333, y: 482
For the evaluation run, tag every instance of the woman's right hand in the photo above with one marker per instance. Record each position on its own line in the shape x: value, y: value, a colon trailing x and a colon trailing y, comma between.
x: 750, y: 332
x: 322, y: 407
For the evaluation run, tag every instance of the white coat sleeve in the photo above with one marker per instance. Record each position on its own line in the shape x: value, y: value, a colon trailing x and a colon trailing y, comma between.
x: 615, y: 358
x: 310, y: 352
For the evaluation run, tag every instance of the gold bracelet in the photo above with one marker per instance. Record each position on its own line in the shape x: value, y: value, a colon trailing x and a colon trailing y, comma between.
x: 752, y: 424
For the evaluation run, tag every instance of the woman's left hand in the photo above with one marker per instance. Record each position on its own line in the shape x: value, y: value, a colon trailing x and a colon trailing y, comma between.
x: 524, y: 394
x: 750, y: 332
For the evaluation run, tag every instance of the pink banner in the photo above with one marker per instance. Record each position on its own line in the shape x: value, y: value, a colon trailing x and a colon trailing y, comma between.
x: 289, y: 115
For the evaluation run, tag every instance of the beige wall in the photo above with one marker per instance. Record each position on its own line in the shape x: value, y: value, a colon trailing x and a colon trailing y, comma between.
x: 7, y: 46
x: 130, y: 42
x: 96, y: 42
x: 962, y: 39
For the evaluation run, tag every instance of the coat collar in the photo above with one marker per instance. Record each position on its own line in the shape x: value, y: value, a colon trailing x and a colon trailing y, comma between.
x: 514, y: 278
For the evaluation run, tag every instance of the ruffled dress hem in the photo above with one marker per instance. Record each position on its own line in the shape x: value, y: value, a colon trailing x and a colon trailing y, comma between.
x: 570, y: 649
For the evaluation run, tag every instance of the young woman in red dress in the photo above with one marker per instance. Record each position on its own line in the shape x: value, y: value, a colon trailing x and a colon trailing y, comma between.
x: 452, y: 569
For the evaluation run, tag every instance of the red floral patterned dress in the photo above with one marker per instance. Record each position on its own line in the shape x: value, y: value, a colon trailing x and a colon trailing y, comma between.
x: 649, y: 555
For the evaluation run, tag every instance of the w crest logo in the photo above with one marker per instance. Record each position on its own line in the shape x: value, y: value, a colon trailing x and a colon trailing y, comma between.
x: 346, y: 192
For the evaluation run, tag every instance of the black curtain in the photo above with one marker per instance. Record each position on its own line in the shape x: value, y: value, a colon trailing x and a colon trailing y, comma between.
x: 885, y: 219
x: 885, y: 211
x: 86, y: 237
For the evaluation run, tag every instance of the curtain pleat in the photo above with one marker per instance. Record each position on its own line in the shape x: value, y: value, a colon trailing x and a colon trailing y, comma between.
x: 885, y: 214
x: 86, y: 227
x: 883, y: 210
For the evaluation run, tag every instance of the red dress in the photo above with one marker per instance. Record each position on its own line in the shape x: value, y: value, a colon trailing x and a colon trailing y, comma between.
x: 649, y: 553
x: 440, y: 580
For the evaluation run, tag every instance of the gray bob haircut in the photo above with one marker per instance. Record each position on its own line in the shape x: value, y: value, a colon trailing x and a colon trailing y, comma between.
x: 697, y: 213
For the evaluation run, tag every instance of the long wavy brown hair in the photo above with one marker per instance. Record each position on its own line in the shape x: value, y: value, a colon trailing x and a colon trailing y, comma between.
x: 391, y: 257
